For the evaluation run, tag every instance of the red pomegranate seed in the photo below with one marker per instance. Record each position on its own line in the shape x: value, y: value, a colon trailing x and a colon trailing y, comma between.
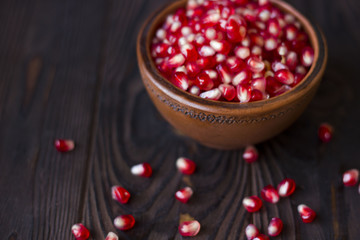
x: 236, y: 28
x: 307, y: 214
x: 251, y: 231
x: 270, y: 43
x: 325, y: 132
x: 261, y: 237
x: 242, y: 77
x: 292, y: 60
x: 160, y: 50
x: 351, y: 177
x: 250, y: 154
x: 243, y: 92
x: 273, y: 27
x: 252, y: 204
x: 112, y: 236
x: 189, y: 51
x: 224, y: 73
x: 185, y: 165
x: 212, y: 74
x: 242, y: 52
x: 192, y: 68
x: 213, y: 94
x: 286, y: 187
x: 189, y: 228
x: 255, y: 64
x: 272, y: 86
x: 206, y: 51
x: 183, y: 195
x: 259, y: 84
x: 282, y: 50
x: 204, y: 82
x: 195, y: 90
x: 307, y: 57
x: 80, y: 231
x: 276, y: 66
x: 219, y: 58
x: 256, y: 95
x: 234, y: 64
x: 228, y: 91
x: 275, y: 227
x: 205, y: 62
x: 181, y: 80
x: 64, y: 145
x: 284, y: 76
x: 142, y: 170
x: 269, y: 194
x: 124, y: 222
x: 120, y: 194
x: 176, y: 61
x: 290, y: 32
x: 221, y: 46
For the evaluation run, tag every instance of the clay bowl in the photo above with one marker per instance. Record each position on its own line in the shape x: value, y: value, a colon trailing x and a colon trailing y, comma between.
x: 225, y: 125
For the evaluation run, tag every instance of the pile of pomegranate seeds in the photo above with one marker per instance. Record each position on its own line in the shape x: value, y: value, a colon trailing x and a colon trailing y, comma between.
x: 236, y: 51
x: 80, y: 231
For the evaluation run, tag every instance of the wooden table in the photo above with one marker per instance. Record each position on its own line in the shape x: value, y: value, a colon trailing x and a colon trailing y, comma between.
x: 68, y: 70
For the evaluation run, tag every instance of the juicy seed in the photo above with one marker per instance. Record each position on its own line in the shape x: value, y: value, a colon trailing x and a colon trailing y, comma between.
x: 80, y: 231
x: 307, y: 57
x: 325, y: 132
x: 275, y: 227
x: 142, y: 170
x: 64, y: 145
x: 124, y: 222
x: 189, y: 228
x: 255, y: 64
x: 213, y: 94
x: 286, y: 187
x: 250, y: 154
x: 181, y: 80
x: 120, y: 194
x: 285, y: 76
x: 112, y: 236
x: 252, y: 204
x: 251, y: 231
x: 261, y: 237
x: 243, y: 92
x: 351, y: 177
x: 183, y: 195
x: 269, y: 194
x: 307, y: 214
x: 227, y: 91
x: 185, y: 165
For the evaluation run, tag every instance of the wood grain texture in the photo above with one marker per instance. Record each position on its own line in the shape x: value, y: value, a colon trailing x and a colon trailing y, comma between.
x: 68, y: 69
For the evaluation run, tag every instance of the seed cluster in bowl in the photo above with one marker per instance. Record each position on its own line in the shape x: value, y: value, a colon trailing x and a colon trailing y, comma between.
x: 232, y: 50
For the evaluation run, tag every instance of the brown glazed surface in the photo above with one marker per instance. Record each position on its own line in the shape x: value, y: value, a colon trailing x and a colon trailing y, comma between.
x: 225, y: 125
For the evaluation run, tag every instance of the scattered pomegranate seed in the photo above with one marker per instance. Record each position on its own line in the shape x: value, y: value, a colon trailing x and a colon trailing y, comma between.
x: 142, y: 170
x: 269, y: 194
x: 275, y: 227
x: 250, y: 154
x: 120, y: 194
x: 64, y: 145
x: 112, y: 236
x: 261, y: 237
x: 124, y: 222
x: 307, y: 214
x: 185, y: 165
x: 80, y: 231
x: 251, y: 231
x: 351, y: 177
x: 325, y: 132
x: 189, y: 228
x: 252, y: 204
x: 286, y: 187
x: 183, y: 195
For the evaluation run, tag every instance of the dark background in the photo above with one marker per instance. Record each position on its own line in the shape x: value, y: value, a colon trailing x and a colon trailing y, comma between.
x: 68, y: 69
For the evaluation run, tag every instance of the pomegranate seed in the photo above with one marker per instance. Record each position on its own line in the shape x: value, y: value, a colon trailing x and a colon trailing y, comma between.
x: 205, y: 62
x: 195, y: 90
x: 259, y: 84
x: 290, y: 32
x: 251, y: 231
x: 80, y: 231
x: 189, y: 228
x: 142, y: 170
x: 228, y: 91
x: 185, y: 165
x: 325, y: 132
x: 256, y: 95
x: 181, y: 80
x: 270, y: 43
x: 176, y: 61
x: 120, y: 194
x: 275, y: 227
x: 351, y: 177
x: 252, y: 204
x: 272, y: 86
x: 206, y: 51
x: 264, y: 14
x: 219, y: 58
x: 284, y: 76
x: 224, y: 73
x: 286, y: 187
x: 282, y: 50
x: 160, y: 50
x: 212, y: 74
x: 189, y: 52
x: 242, y: 52
x: 307, y: 214
x: 256, y: 51
x: 124, y: 222
x: 112, y: 236
x: 64, y: 145
x: 183, y: 195
x: 292, y: 60
x: 211, y: 19
x: 192, y: 69
x: 204, y: 82
x: 250, y: 154
x: 307, y: 56
x: 234, y: 64
x: 213, y: 94
x: 243, y: 92
x: 222, y: 46
x: 261, y: 237
x: 236, y: 28
x: 276, y: 66
x: 269, y: 194
x: 241, y: 78
x: 255, y: 64
x: 273, y: 27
